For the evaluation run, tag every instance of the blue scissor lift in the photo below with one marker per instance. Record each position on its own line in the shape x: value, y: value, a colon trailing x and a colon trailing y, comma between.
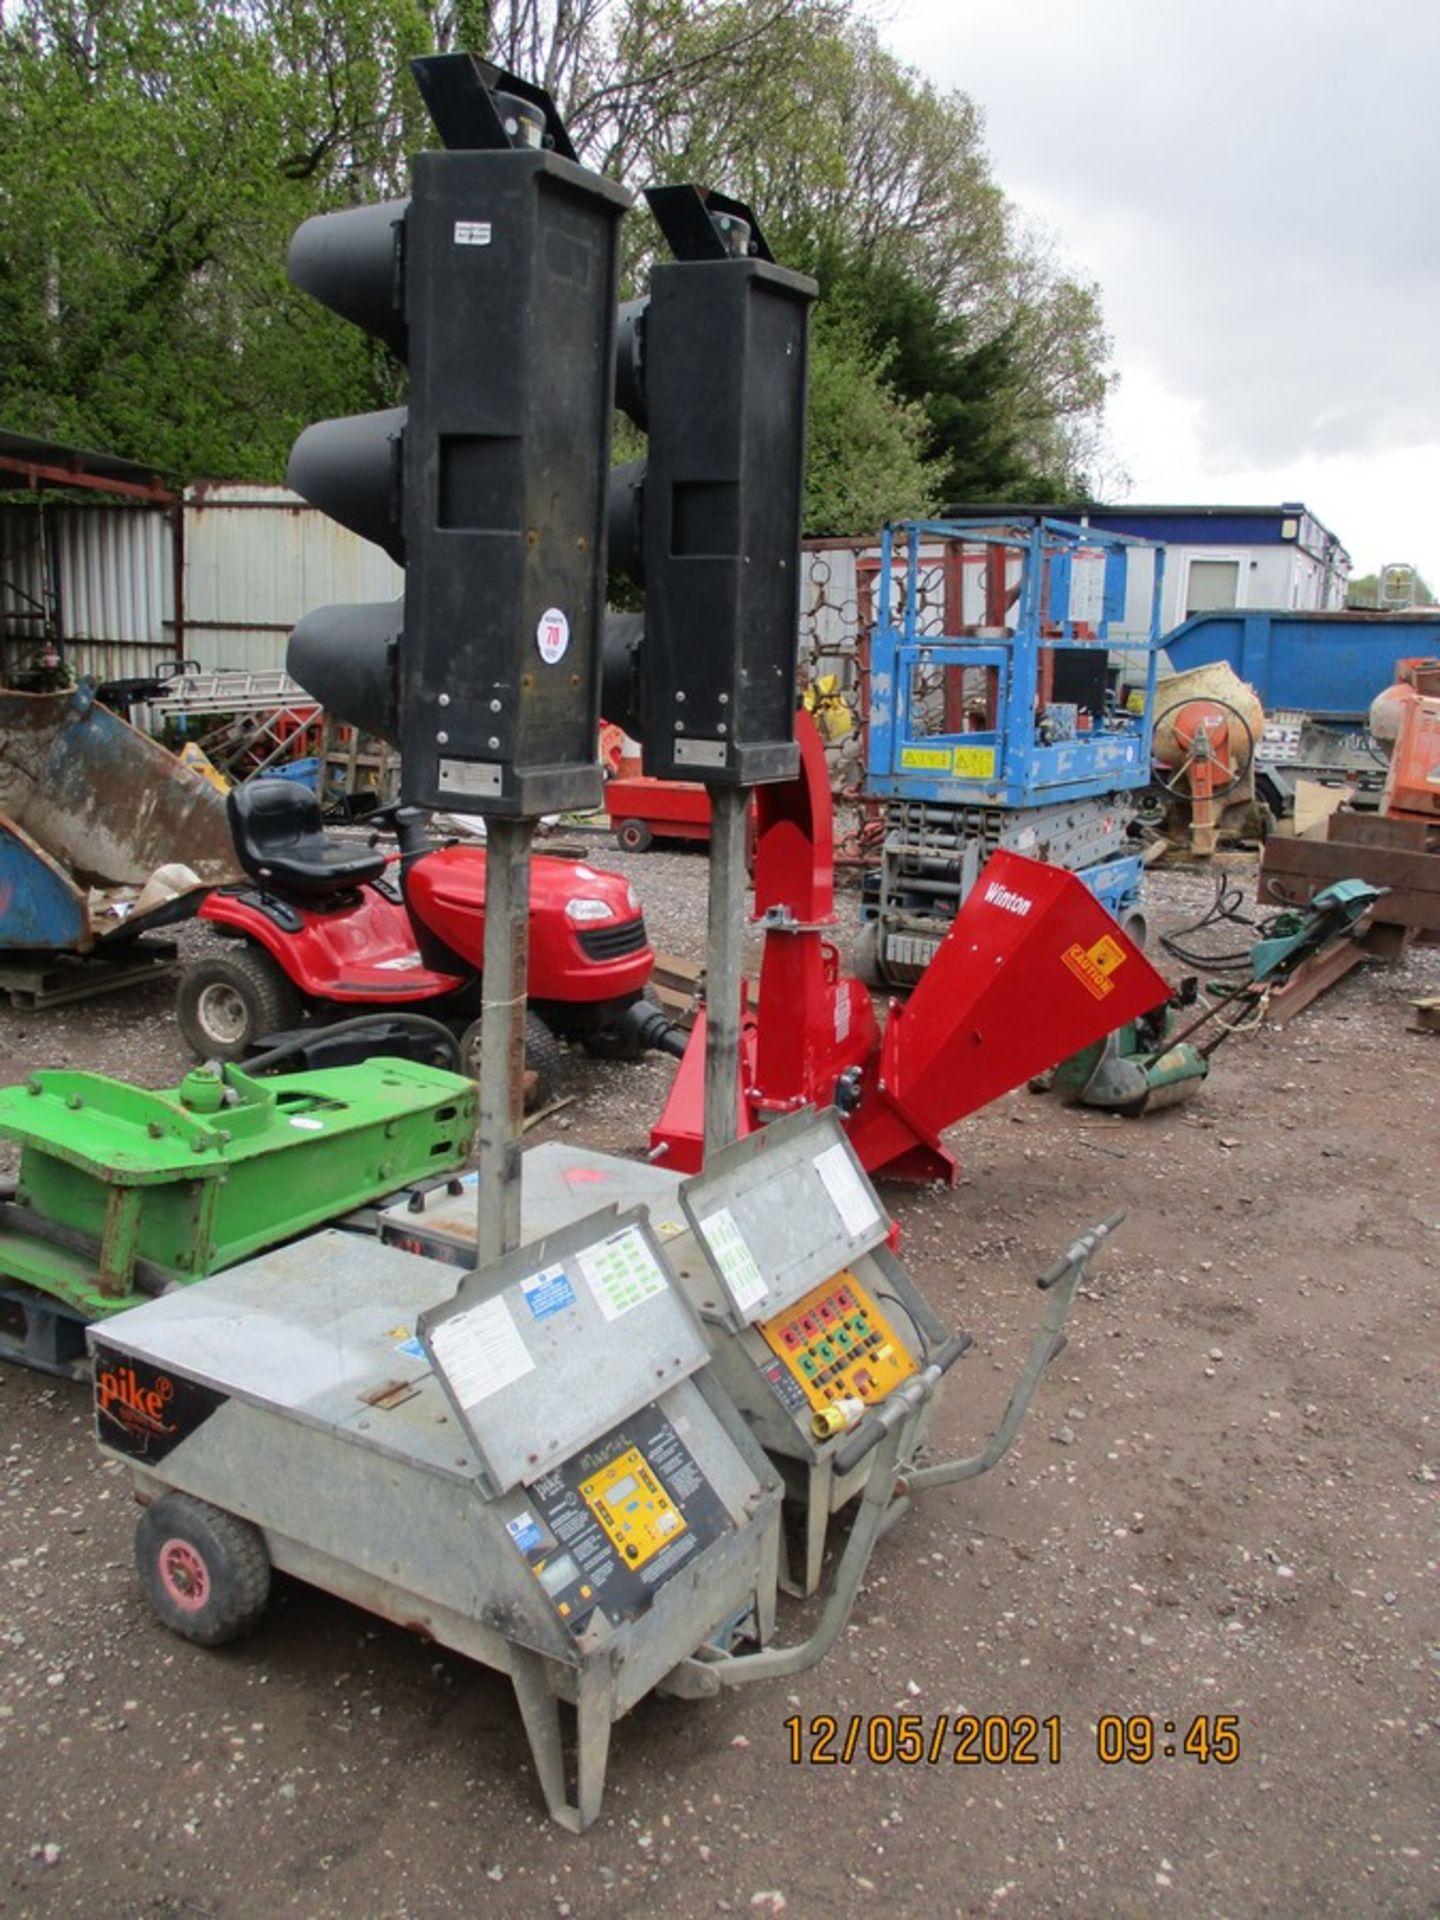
x: 1001, y: 717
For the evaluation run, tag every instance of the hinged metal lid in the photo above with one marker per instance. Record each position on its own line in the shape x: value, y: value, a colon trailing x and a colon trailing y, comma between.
x: 547, y: 1349
x: 782, y: 1210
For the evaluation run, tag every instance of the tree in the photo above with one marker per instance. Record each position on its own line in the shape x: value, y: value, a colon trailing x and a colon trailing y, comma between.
x: 866, y: 459
x: 1362, y: 592
x: 154, y: 160
x: 156, y: 155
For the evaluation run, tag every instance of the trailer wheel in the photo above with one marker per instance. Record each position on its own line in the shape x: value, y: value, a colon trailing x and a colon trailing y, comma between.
x: 544, y: 1059
x: 228, y: 1002
x: 634, y: 836
x: 205, y: 1572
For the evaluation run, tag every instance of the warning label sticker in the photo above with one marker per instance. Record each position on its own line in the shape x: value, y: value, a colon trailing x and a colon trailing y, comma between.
x: 1093, y: 966
x: 974, y: 763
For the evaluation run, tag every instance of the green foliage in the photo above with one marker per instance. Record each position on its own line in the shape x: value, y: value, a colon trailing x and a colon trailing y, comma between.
x: 156, y: 156
x: 866, y: 461
x: 1362, y: 592
x: 154, y: 160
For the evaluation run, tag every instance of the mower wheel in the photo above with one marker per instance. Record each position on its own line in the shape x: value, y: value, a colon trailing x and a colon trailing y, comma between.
x: 865, y: 957
x: 634, y: 836
x: 205, y: 1572
x: 544, y: 1059
x: 229, y: 1001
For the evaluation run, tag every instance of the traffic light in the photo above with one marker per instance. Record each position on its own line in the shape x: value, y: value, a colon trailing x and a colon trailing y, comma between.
x: 496, y: 283
x: 713, y: 366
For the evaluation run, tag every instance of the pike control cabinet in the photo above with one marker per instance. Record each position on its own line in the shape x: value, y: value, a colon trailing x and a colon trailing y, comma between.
x: 540, y: 1465
x: 536, y: 1469
x: 812, y: 1320
x: 994, y: 721
x: 780, y: 1247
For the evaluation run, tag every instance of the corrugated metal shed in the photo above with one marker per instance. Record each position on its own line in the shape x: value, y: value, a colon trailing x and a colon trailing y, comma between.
x: 256, y: 558
x: 109, y: 580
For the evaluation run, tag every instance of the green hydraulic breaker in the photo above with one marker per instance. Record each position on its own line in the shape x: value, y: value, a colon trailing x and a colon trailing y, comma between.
x: 124, y: 1192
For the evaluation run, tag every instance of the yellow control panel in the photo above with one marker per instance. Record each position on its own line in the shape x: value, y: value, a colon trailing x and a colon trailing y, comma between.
x: 634, y: 1509
x: 837, y: 1344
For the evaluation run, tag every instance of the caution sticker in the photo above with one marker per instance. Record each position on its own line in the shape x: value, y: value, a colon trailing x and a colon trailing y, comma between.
x: 974, y: 763
x: 925, y: 759
x: 1093, y: 966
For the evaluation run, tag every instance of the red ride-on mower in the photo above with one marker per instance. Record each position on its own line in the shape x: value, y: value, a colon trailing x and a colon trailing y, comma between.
x: 327, y: 928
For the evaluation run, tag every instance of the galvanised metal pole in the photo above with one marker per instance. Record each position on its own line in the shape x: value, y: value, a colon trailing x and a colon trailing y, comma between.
x: 502, y: 1035
x: 729, y: 810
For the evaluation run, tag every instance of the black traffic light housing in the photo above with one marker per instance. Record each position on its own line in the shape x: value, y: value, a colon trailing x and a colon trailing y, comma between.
x: 497, y: 282
x: 714, y: 366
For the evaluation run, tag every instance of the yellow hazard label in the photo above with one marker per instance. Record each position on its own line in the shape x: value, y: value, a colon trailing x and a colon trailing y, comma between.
x: 1093, y: 966
x: 974, y: 763
x: 926, y: 759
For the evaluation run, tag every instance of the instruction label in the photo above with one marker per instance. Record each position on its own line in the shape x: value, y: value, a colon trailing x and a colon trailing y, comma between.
x: 548, y: 1292
x: 973, y: 763
x: 525, y: 1531
x: 480, y: 1352
x: 732, y: 1255
x: 967, y: 763
x: 621, y: 1272
x: 857, y: 1211
x: 925, y: 759
x: 1087, y: 587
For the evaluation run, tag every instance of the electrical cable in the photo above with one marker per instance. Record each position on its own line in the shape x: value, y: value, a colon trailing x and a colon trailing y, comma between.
x: 915, y: 1326
x: 1225, y: 907
x: 416, y: 1022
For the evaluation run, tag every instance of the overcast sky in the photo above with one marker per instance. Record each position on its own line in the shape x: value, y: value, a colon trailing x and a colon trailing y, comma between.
x: 1255, y: 185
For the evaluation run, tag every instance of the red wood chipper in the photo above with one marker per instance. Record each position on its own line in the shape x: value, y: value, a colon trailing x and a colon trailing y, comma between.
x: 1032, y: 969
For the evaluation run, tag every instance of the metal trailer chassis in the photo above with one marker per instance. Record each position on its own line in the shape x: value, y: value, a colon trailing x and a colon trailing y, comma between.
x: 289, y: 1394
x: 340, y: 1410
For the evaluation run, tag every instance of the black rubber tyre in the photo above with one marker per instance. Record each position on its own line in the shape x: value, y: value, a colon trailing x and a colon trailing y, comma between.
x: 229, y: 1001
x: 205, y: 1572
x: 865, y: 957
x: 634, y: 836
x: 544, y: 1059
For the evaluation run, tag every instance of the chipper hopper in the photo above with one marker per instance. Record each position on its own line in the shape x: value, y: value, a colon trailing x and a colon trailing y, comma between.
x: 1031, y: 970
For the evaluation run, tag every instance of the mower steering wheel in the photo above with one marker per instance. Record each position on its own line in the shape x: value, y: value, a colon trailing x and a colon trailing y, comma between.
x: 1171, y: 783
x: 384, y: 819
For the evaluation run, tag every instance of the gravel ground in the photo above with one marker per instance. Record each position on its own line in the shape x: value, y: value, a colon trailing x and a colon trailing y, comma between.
x: 1224, y: 1502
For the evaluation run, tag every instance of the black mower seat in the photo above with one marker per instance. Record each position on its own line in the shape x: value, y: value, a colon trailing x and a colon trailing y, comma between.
x: 280, y: 841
